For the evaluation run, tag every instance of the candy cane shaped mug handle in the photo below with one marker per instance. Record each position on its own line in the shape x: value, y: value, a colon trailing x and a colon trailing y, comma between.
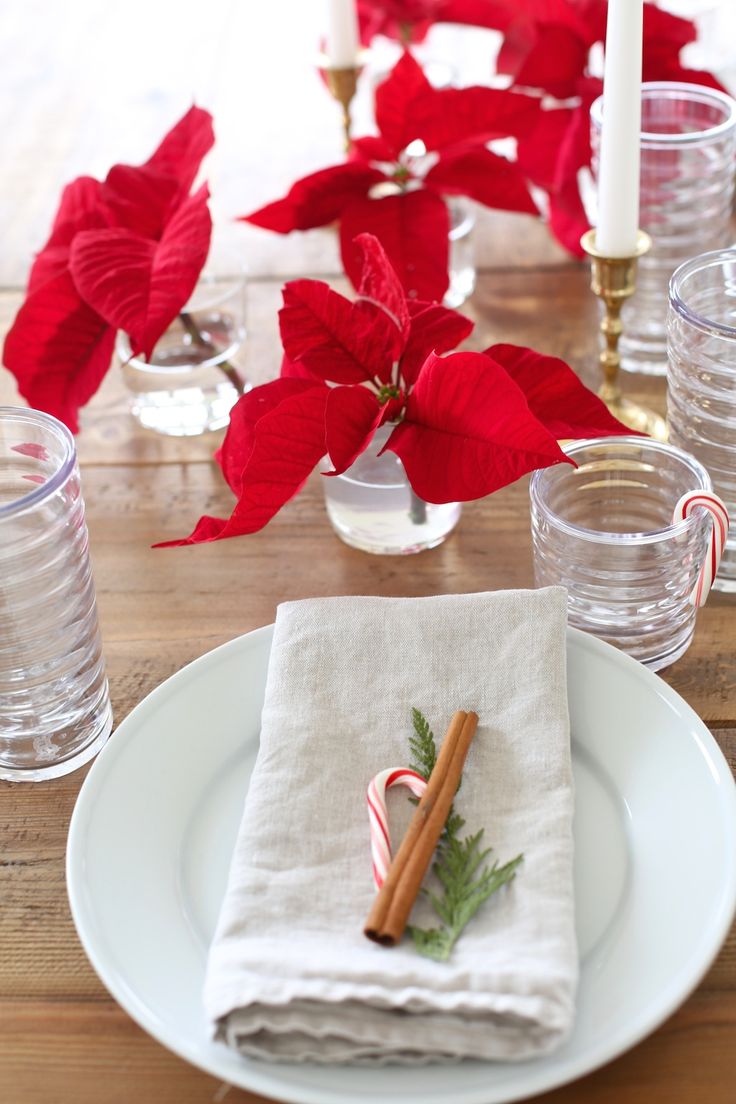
x: 705, y: 500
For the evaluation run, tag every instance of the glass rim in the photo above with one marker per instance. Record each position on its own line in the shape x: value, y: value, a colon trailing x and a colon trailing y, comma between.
x: 39, y: 419
x: 712, y: 259
x: 602, y: 536
x: 679, y: 90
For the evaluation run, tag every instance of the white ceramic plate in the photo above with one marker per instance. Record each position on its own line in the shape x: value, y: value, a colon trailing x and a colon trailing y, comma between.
x: 153, y: 830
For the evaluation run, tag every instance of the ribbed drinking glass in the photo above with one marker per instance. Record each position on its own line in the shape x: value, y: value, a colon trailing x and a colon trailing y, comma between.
x: 604, y: 530
x: 701, y: 379
x: 688, y: 147
x: 54, y: 704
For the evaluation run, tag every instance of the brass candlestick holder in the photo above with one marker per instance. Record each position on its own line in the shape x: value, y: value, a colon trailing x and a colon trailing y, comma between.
x: 613, y: 280
x: 342, y: 82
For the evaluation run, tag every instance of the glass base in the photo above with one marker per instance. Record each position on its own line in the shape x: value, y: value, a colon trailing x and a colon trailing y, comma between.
x: 462, y: 286
x: 647, y: 356
x: 63, y: 766
x: 186, y: 411
x: 360, y: 533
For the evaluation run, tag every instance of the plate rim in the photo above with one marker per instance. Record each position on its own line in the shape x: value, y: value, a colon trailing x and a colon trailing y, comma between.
x: 258, y: 1075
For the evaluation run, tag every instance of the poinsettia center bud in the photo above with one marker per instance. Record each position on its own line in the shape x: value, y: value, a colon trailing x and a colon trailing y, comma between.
x: 392, y: 399
x: 387, y: 392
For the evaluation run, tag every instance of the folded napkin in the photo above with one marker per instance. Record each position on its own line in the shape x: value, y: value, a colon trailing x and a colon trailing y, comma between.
x: 290, y: 974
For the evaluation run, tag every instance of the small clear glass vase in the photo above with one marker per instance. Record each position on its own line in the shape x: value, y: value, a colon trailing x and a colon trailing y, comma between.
x: 192, y: 381
x: 462, y: 255
x: 373, y: 507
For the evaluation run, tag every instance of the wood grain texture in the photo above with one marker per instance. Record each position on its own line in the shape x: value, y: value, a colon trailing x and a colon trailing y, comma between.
x: 62, y: 1039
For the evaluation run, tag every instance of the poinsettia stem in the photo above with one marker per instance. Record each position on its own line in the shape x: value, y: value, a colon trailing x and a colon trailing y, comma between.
x: 417, y: 508
x: 190, y: 327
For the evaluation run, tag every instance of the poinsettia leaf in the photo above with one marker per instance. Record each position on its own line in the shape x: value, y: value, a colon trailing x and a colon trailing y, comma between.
x: 288, y: 442
x: 140, y: 199
x: 317, y: 199
x: 665, y: 31
x: 352, y: 416
x: 561, y: 402
x: 379, y: 283
x: 495, y: 14
x: 409, y: 108
x: 668, y: 68
x: 234, y: 452
x: 372, y: 148
x: 335, y: 339
x: 468, y: 430
x: 58, y: 349
x: 413, y: 229
x: 139, y: 285
x: 144, y: 197
x: 449, y: 117
x: 434, y: 329
x: 556, y: 60
x: 552, y: 157
x: 80, y: 208
x: 537, y: 154
x: 397, y: 103
x: 296, y: 369
x: 183, y: 149
x: 484, y: 176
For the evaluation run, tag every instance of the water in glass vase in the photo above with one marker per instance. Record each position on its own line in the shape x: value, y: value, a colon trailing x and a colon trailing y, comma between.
x: 183, y: 390
x: 372, y: 506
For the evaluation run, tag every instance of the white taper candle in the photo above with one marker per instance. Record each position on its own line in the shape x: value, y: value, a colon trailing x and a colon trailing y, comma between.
x: 618, y: 169
x: 343, y: 40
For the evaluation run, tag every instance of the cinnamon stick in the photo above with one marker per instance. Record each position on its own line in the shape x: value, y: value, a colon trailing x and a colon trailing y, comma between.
x: 394, y: 901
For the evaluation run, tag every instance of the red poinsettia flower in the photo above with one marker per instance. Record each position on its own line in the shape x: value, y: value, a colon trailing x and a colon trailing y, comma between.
x: 547, y: 47
x: 123, y: 254
x: 431, y: 144
x: 410, y: 20
x: 465, y: 424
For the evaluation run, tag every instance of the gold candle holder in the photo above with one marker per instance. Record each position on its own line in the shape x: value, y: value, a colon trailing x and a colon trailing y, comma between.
x: 613, y: 280
x: 342, y: 82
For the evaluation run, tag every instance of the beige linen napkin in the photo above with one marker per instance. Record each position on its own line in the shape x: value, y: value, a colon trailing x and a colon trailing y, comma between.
x: 291, y: 975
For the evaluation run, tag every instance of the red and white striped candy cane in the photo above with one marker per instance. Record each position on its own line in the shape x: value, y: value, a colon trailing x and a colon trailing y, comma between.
x: 716, y: 541
x: 378, y: 816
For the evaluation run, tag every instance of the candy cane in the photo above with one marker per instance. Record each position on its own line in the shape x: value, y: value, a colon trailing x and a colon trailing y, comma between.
x: 380, y: 840
x: 716, y: 541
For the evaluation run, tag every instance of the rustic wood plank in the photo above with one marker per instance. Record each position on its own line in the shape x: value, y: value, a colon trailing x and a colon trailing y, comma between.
x: 84, y: 1054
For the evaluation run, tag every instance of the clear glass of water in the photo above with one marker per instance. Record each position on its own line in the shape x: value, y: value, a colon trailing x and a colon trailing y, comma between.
x: 688, y: 151
x: 373, y: 507
x: 701, y: 379
x: 54, y: 705
x: 193, y: 378
x: 604, y: 530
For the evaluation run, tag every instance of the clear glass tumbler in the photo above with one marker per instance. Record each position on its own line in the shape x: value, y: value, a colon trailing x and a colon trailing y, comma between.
x: 604, y: 530
x: 373, y: 507
x: 54, y: 705
x: 192, y: 380
x: 701, y: 379
x: 688, y: 150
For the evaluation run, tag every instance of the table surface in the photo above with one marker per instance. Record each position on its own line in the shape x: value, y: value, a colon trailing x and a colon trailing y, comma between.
x: 62, y: 1038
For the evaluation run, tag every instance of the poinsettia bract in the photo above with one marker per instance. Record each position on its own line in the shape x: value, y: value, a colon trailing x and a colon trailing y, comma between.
x: 432, y: 144
x: 464, y: 424
x: 124, y: 254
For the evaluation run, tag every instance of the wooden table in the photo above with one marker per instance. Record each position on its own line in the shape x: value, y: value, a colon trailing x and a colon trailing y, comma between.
x: 62, y: 1038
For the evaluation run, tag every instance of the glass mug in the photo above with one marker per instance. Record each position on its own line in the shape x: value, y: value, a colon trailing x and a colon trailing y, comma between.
x: 54, y: 705
x: 604, y: 530
x: 701, y: 378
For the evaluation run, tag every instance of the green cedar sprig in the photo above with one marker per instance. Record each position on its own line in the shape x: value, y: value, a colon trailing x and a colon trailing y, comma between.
x: 460, y: 864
